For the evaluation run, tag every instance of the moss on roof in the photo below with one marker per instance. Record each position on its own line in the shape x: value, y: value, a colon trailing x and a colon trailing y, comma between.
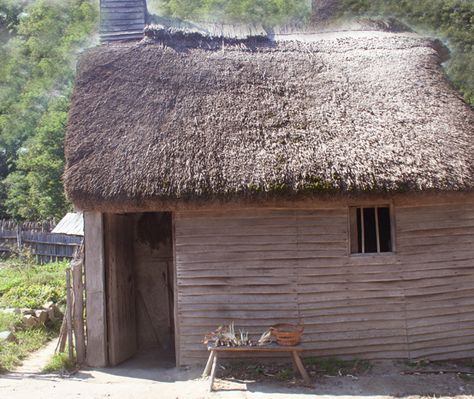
x: 193, y: 118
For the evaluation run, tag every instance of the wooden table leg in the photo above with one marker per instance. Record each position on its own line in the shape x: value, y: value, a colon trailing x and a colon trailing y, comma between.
x: 299, y: 364
x: 207, y: 369
x: 213, y: 372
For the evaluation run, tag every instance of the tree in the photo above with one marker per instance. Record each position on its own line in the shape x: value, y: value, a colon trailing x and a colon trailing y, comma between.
x: 37, y: 70
x: 35, y: 189
x: 10, y: 11
x: 452, y: 20
x: 266, y: 12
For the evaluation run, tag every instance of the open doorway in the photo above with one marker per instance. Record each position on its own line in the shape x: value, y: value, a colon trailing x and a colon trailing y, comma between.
x: 154, y: 283
x: 140, y: 286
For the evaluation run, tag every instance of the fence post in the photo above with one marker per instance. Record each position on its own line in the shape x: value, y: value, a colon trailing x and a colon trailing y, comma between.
x: 45, y: 246
x: 77, y: 266
x: 18, y: 239
x: 69, y: 315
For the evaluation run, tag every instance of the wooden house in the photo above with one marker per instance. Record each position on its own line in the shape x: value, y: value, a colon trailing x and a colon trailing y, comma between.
x: 324, y: 179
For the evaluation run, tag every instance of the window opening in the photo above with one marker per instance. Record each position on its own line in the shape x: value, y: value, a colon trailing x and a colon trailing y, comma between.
x: 371, y: 230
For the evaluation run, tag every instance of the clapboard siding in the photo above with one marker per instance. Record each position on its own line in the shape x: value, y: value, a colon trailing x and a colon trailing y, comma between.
x: 122, y: 19
x: 258, y: 267
x: 437, y: 255
x: 215, y: 257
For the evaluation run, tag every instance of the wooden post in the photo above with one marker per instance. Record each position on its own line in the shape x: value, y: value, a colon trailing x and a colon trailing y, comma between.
x: 18, y: 240
x: 96, y: 351
x: 213, y: 372
x: 176, y: 316
x: 300, y: 367
x: 62, y: 337
x: 207, y: 369
x: 78, y: 313
x: 69, y: 315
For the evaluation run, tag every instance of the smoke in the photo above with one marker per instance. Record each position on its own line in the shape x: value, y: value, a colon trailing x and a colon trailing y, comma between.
x: 263, y: 12
x: 155, y: 7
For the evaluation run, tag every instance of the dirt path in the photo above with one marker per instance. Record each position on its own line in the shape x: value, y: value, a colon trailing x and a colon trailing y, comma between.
x: 139, y: 380
x: 36, y: 361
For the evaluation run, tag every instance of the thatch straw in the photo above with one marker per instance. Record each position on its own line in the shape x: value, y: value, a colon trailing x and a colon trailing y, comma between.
x: 199, y: 118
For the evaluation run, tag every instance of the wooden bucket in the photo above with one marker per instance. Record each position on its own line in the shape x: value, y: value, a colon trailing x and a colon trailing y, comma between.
x: 287, y: 334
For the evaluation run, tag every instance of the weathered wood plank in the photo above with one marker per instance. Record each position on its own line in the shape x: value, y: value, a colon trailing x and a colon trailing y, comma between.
x: 121, y: 307
x: 96, y: 352
x: 370, y: 302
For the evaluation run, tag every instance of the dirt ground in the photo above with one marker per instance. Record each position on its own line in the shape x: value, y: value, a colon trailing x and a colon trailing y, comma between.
x: 145, y: 378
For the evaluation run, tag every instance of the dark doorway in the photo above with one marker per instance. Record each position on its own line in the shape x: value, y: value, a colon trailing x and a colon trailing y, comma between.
x: 140, y: 285
x: 154, y: 283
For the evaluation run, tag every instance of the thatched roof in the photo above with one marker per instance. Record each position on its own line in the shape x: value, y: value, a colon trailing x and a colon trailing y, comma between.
x: 193, y: 118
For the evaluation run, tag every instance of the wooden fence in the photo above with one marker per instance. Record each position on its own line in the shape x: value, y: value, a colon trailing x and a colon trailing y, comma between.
x: 37, y: 237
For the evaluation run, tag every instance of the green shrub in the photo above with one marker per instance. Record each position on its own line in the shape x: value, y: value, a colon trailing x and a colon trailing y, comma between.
x: 59, y: 363
x: 9, y: 320
x: 31, y: 295
x: 30, y: 286
x: 29, y: 340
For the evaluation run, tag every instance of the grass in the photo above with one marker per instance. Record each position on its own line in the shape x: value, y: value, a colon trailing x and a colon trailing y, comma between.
x: 285, y: 374
x: 336, y: 366
x: 8, y: 321
x: 59, y: 363
x: 12, y: 353
x: 282, y: 372
x: 24, y: 284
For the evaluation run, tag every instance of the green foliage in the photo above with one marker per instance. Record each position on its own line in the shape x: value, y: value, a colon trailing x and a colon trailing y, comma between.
x: 285, y: 374
x: 266, y: 12
x: 30, y: 286
x: 35, y: 190
x: 10, y: 11
x: 29, y: 340
x: 8, y: 321
x: 59, y: 363
x: 37, y: 70
x: 31, y: 296
x: 453, y: 20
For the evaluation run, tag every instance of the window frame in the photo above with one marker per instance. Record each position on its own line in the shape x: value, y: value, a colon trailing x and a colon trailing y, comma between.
x: 351, y: 226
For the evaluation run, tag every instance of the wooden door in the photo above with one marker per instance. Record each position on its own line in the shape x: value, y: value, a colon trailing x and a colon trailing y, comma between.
x: 121, y: 318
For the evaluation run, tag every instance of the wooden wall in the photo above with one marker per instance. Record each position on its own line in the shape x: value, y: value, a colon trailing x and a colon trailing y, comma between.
x: 436, y: 251
x: 37, y: 237
x: 258, y: 267
x: 122, y: 19
x: 120, y: 288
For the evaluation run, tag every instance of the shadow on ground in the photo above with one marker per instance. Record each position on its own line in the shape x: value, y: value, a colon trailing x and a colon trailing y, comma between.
x: 387, y: 378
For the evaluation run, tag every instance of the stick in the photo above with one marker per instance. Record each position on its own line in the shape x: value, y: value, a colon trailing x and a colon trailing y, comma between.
x: 213, y: 373
x: 62, y: 337
x: 69, y: 314
x: 300, y: 367
x: 207, y: 369
x: 78, y: 314
x: 412, y: 372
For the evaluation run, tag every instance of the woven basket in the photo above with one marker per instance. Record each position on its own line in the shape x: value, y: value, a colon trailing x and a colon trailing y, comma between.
x: 287, y: 334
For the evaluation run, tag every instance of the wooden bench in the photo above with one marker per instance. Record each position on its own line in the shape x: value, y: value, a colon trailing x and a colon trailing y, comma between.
x: 294, y: 351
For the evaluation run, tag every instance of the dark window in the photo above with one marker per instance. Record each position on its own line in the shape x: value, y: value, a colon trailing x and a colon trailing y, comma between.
x: 371, y: 230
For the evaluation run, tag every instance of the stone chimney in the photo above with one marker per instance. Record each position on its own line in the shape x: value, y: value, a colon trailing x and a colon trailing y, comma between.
x: 122, y: 19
